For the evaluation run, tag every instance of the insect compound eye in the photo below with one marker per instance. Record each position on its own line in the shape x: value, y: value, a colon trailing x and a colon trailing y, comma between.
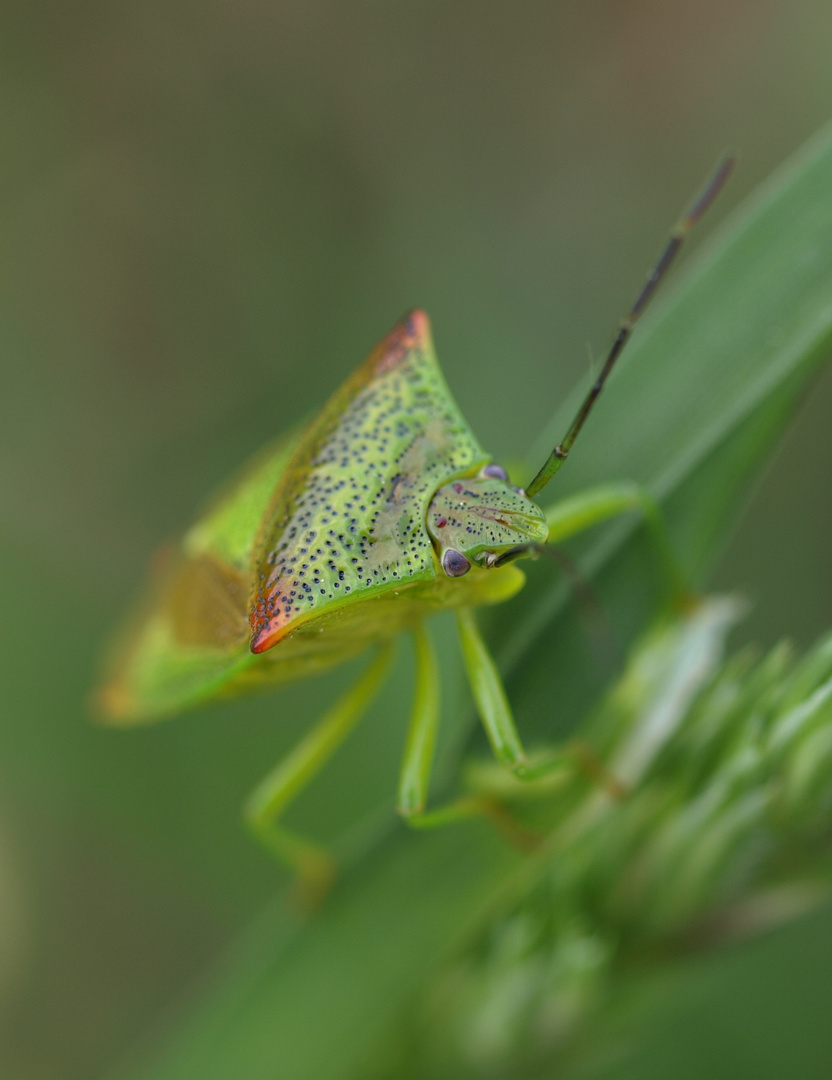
x: 496, y: 472
x: 454, y: 563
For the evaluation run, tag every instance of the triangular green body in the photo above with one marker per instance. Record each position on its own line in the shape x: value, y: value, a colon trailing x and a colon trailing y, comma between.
x: 317, y: 550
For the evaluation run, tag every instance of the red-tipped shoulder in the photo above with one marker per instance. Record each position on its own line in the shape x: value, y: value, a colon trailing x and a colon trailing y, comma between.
x: 269, y: 624
x: 417, y: 326
x: 267, y: 635
x: 410, y: 332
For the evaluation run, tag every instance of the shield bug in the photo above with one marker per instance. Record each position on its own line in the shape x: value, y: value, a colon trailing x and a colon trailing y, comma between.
x: 345, y: 533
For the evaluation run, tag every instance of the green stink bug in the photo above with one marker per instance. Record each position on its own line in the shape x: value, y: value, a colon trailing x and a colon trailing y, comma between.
x: 381, y: 511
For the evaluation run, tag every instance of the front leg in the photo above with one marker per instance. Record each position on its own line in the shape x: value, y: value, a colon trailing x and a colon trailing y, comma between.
x: 414, y: 778
x: 498, y: 721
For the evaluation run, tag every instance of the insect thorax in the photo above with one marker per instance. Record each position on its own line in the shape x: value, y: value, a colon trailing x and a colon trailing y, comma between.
x: 347, y: 522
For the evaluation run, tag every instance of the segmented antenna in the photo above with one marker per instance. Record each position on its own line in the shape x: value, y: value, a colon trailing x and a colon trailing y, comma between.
x: 677, y: 237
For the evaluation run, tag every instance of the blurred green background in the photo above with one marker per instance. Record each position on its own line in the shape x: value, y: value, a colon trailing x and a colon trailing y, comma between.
x: 208, y: 214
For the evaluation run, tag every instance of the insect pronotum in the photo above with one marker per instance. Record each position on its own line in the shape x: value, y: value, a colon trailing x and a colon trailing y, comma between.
x: 380, y: 512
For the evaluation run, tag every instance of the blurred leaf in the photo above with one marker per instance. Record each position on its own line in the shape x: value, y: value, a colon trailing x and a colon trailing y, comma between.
x: 698, y: 401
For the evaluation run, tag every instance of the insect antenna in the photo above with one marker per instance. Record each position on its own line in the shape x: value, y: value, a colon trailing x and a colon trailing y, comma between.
x: 689, y: 219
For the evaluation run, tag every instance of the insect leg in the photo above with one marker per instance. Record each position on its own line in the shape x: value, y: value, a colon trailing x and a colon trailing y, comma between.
x: 414, y: 778
x: 578, y: 512
x: 270, y: 798
x: 490, y: 696
x: 498, y: 721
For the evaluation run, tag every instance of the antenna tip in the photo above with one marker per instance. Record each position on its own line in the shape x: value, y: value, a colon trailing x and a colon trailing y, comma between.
x: 712, y: 188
